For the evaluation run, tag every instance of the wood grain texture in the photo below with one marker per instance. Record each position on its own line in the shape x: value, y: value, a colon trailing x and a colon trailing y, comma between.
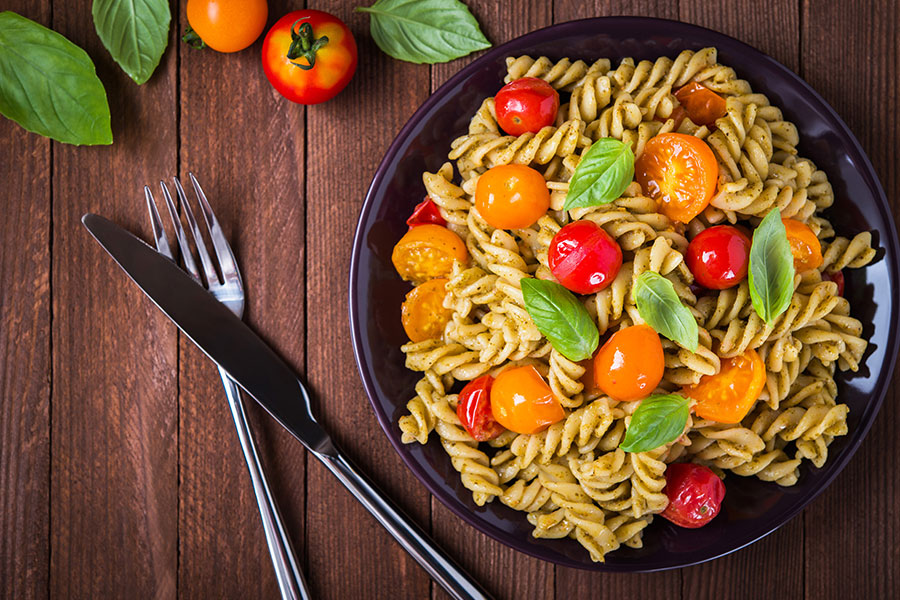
x: 245, y: 144
x: 114, y: 412
x: 25, y: 375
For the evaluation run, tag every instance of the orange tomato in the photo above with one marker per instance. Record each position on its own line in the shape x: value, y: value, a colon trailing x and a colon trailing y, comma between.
x: 805, y: 246
x: 512, y: 196
x: 422, y: 313
x: 702, y: 105
x: 227, y: 25
x: 680, y: 172
x: 426, y: 252
x: 522, y: 401
x: 630, y: 364
x: 729, y: 395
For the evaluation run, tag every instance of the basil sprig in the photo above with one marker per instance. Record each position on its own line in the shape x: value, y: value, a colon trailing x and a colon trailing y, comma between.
x: 771, y: 268
x: 426, y: 31
x: 560, y: 316
x: 658, y: 420
x: 604, y: 172
x: 48, y: 85
x: 135, y: 33
x: 661, y: 308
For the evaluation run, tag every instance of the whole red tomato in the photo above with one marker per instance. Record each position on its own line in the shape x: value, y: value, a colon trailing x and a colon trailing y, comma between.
x: 474, y: 409
x: 309, y: 56
x: 719, y: 257
x: 695, y: 495
x: 584, y: 258
x: 526, y: 105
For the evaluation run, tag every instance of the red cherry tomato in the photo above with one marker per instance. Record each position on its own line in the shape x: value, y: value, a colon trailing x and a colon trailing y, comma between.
x: 474, y: 409
x: 309, y: 56
x: 719, y: 257
x: 512, y: 196
x: 838, y: 278
x: 426, y: 212
x: 702, y: 105
x: 526, y: 105
x: 695, y: 495
x: 584, y: 258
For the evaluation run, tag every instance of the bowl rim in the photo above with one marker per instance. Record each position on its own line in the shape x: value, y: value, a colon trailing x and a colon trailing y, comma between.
x: 681, y: 29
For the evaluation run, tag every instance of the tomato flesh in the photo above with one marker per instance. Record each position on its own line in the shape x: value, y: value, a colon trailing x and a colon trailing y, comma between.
x: 426, y: 252
x: 521, y: 401
x: 584, y: 258
x: 729, y: 395
x: 630, y: 364
x: 702, y: 105
x: 474, y: 410
x: 838, y: 278
x: 426, y: 212
x: 512, y: 196
x: 227, y: 25
x: 695, y: 495
x: 719, y: 257
x: 526, y: 105
x: 422, y: 313
x: 805, y: 246
x: 679, y: 171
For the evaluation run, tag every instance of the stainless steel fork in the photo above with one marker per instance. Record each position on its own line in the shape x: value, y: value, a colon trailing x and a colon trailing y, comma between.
x: 229, y: 290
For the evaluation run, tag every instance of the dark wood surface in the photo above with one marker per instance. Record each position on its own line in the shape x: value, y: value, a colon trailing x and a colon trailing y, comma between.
x: 120, y: 473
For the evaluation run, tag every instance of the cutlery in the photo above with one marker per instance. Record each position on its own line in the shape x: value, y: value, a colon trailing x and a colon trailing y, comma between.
x: 230, y: 292
x: 256, y: 368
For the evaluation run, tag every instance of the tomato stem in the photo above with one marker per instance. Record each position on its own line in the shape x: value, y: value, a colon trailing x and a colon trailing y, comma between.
x: 304, y: 45
x: 193, y: 40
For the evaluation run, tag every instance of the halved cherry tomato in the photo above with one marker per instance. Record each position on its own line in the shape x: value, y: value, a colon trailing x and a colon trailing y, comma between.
x: 729, y: 395
x: 702, y: 105
x: 695, y: 495
x: 838, y: 278
x: 522, y: 401
x: 680, y: 172
x: 512, y: 196
x: 474, y: 409
x: 422, y: 313
x: 426, y: 252
x: 584, y: 258
x: 526, y: 105
x: 227, y: 25
x: 426, y: 212
x: 719, y: 257
x: 630, y: 364
x: 805, y: 246
x: 309, y: 56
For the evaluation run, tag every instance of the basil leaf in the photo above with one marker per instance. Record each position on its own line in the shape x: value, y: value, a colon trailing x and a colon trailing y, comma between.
x: 424, y: 31
x: 559, y: 315
x: 771, y: 268
x: 604, y: 172
x: 48, y: 85
x: 135, y: 32
x: 661, y: 308
x: 658, y: 420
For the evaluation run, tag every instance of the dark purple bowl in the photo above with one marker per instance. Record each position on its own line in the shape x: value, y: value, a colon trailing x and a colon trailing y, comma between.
x: 752, y: 508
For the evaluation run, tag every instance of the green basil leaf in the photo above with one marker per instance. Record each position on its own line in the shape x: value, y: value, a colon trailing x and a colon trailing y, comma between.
x: 661, y: 308
x: 771, y: 268
x: 135, y: 32
x: 605, y: 170
x: 425, y: 31
x: 48, y: 85
x: 560, y: 316
x: 658, y: 420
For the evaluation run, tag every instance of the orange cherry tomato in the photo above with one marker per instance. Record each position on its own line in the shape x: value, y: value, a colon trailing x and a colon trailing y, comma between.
x: 426, y: 252
x: 522, y: 401
x: 422, y: 313
x: 227, y: 25
x: 729, y: 395
x: 512, y: 196
x: 702, y: 105
x: 805, y: 246
x: 680, y: 172
x: 630, y: 364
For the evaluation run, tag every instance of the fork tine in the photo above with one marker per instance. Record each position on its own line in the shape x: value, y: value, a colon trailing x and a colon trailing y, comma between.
x: 227, y: 264
x: 212, y: 278
x: 186, y: 253
x: 159, y: 233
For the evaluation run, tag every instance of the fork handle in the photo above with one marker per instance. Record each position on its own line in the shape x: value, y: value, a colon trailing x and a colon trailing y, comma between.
x: 287, y: 571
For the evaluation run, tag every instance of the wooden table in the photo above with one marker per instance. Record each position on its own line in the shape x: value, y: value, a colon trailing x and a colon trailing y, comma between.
x: 120, y: 472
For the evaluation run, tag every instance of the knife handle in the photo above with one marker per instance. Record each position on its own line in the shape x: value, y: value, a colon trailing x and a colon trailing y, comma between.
x: 435, y: 561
